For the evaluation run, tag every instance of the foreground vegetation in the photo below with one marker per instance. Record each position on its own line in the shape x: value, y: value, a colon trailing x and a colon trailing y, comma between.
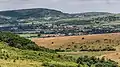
x: 95, y: 62
x: 28, y: 56
x: 20, y: 42
x: 19, y: 63
x: 13, y: 55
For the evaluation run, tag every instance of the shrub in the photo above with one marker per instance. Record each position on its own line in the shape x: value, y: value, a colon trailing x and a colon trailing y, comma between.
x: 96, y: 61
x: 20, y: 42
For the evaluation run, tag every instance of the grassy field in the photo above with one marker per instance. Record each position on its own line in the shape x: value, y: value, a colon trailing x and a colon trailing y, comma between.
x: 73, y: 42
x: 19, y: 63
x: 13, y: 57
x: 78, y: 43
x: 28, y: 35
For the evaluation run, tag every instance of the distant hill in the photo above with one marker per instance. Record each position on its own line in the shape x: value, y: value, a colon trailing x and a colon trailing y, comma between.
x: 43, y: 12
x: 34, y: 19
x: 13, y: 16
x: 34, y: 13
x: 88, y: 14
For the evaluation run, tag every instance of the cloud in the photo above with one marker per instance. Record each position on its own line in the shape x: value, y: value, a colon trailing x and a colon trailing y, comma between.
x: 55, y: 1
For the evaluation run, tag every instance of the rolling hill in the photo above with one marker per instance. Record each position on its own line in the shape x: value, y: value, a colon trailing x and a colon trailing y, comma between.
x: 32, y: 13
x: 12, y: 16
x: 43, y: 12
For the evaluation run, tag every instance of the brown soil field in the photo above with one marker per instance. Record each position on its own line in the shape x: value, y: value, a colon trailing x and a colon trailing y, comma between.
x: 70, y: 41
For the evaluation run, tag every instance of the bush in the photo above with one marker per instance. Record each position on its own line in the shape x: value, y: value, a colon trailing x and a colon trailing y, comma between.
x: 20, y: 42
x: 57, y: 64
x: 96, y: 61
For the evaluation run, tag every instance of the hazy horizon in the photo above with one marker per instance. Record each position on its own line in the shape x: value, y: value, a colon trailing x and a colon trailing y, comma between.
x: 57, y: 10
x: 67, y: 6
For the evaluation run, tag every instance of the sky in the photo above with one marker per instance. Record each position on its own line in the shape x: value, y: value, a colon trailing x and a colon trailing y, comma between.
x: 69, y: 6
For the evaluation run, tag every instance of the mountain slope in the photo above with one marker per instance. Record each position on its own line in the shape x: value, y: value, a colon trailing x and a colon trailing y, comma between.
x: 15, y: 16
x: 34, y: 13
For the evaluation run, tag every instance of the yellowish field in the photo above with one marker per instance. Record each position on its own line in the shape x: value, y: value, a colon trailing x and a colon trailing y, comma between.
x: 19, y: 63
x: 112, y: 39
x: 70, y: 41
